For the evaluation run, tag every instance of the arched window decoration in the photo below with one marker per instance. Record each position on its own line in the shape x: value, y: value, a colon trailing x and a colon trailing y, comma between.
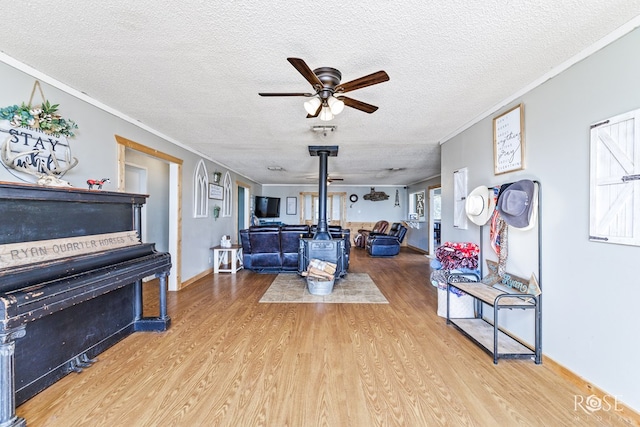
x: 200, y: 187
x: 227, y: 202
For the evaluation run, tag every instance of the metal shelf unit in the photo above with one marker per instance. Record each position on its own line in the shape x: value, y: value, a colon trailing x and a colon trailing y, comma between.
x: 488, y: 335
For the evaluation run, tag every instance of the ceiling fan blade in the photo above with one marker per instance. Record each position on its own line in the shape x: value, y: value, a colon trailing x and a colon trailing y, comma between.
x: 358, y: 105
x: 285, y: 94
x: 309, y: 116
x: 306, y: 72
x: 371, y: 79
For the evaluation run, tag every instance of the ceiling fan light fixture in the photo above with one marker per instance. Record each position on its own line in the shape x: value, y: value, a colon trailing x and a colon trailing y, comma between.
x: 326, y: 114
x: 311, y: 106
x: 336, y: 105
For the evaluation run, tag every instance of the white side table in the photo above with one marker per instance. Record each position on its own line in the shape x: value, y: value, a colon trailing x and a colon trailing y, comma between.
x: 227, y: 256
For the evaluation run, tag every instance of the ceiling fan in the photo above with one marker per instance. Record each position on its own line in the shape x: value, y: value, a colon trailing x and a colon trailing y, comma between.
x: 328, y: 100
x: 329, y: 179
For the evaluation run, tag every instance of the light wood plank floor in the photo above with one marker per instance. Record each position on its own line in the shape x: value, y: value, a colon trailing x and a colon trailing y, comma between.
x: 228, y: 360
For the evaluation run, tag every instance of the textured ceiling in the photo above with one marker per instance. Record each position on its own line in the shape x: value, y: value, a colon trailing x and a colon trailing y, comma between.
x: 192, y: 70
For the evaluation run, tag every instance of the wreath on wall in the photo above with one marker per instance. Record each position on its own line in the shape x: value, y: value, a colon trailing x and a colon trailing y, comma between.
x: 44, y: 117
x: 41, y: 149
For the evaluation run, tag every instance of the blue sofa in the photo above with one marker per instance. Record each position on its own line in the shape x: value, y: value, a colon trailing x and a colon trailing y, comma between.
x: 274, y: 248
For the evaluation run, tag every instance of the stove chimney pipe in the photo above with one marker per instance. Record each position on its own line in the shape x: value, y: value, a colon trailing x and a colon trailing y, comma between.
x: 322, y: 232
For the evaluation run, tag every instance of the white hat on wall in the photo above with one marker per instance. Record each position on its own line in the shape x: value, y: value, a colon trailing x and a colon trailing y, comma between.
x: 479, y: 205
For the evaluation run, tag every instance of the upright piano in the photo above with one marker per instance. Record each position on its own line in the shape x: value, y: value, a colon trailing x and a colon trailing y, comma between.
x: 71, y: 271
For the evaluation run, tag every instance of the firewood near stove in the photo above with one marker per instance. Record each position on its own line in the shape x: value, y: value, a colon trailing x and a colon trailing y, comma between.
x: 320, y: 269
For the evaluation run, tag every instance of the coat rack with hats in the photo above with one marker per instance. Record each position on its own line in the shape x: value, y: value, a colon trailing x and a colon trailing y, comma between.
x: 512, y: 207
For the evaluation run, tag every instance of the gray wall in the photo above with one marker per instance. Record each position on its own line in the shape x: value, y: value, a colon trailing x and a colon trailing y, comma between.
x: 96, y: 149
x: 590, y: 289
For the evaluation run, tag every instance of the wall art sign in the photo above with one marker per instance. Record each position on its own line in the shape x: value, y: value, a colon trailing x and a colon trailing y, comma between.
x: 33, y: 141
x: 216, y: 192
x: 24, y: 253
x: 510, y: 283
x: 508, y: 141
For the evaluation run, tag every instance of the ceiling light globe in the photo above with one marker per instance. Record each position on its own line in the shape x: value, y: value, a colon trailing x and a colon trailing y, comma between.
x: 336, y: 105
x: 325, y: 114
x: 312, y: 105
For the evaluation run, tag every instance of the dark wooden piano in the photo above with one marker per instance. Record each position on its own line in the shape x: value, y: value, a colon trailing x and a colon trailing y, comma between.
x: 71, y: 270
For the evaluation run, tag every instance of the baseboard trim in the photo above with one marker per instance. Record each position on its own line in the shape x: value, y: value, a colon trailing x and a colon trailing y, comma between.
x: 196, y: 278
x: 422, y: 251
x: 626, y: 413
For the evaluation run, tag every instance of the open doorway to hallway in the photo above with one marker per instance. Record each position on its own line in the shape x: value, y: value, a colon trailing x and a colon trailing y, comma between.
x: 435, y: 215
x: 245, y: 210
x: 162, y: 181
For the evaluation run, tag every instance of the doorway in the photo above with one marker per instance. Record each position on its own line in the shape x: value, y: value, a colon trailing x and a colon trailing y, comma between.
x: 243, y: 219
x: 435, y: 216
x: 171, y: 208
x: 136, y: 179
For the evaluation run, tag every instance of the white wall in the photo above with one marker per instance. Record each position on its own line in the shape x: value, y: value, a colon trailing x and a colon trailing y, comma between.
x: 590, y: 289
x: 96, y: 149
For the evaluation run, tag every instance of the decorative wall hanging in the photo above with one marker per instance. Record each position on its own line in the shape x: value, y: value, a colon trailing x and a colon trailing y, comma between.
x: 200, y: 183
x: 37, y: 144
x: 215, y: 192
x: 508, y: 141
x: 614, y: 188
x: 376, y: 196
x: 459, y: 198
x: 292, y: 205
x: 416, y: 206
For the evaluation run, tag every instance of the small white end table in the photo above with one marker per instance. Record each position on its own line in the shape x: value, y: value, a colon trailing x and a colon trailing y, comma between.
x: 231, y: 256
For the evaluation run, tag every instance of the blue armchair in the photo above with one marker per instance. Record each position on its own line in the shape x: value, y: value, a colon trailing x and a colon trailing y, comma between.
x: 386, y: 245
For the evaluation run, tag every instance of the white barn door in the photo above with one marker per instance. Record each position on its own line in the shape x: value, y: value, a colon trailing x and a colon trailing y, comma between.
x: 615, y: 180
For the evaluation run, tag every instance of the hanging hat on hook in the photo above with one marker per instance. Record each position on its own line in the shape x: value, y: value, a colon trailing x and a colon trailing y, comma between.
x: 479, y: 205
x: 518, y: 204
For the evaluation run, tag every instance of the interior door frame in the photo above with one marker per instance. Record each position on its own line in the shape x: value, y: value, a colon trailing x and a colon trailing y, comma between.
x: 247, y: 207
x: 175, y: 197
x: 431, y: 229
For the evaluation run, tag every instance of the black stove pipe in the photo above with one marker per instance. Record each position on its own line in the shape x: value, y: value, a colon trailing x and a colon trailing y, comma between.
x: 322, y: 232
x: 323, y: 152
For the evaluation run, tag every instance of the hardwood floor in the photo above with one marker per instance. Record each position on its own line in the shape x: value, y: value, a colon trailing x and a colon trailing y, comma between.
x: 228, y: 360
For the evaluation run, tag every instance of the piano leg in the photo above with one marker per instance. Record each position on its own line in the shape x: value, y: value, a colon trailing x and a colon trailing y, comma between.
x: 163, y: 297
x: 138, y: 300
x: 160, y: 323
x: 8, y: 416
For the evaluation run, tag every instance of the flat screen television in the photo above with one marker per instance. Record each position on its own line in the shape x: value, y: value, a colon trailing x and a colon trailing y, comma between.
x: 267, y: 207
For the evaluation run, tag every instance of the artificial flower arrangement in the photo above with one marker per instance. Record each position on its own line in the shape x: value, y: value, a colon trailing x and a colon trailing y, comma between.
x: 44, y: 117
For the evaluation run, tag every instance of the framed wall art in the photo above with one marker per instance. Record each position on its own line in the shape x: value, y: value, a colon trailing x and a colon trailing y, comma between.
x: 215, y: 192
x: 292, y: 205
x: 508, y: 141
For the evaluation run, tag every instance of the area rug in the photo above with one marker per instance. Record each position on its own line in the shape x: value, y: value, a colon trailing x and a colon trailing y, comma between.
x: 357, y: 288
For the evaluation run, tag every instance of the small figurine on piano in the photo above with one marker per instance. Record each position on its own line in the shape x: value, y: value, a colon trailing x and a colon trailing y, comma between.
x: 97, y: 182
